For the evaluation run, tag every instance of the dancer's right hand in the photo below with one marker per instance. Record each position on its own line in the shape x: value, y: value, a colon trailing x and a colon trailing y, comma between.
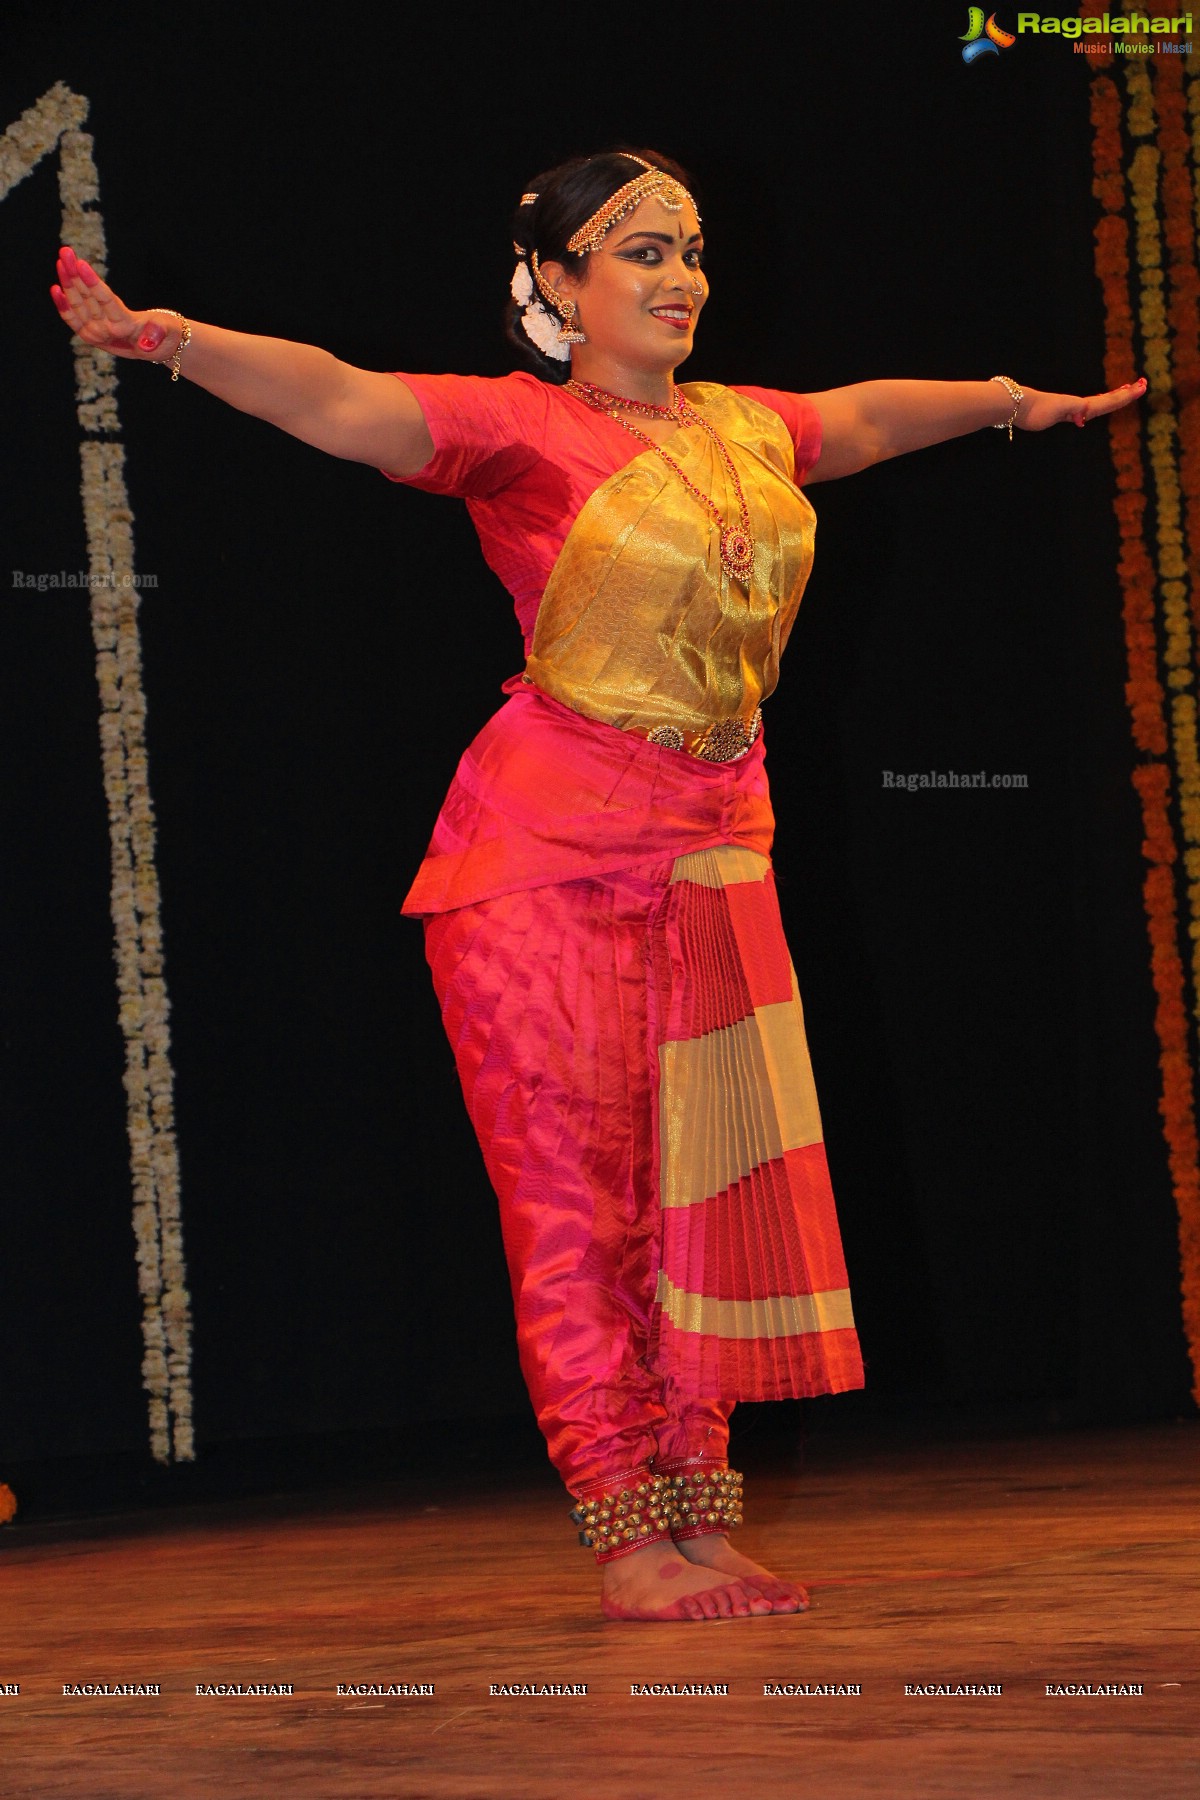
x: 89, y: 306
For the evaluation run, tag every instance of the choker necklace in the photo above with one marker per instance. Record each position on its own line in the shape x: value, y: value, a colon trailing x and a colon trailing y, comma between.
x: 735, y: 541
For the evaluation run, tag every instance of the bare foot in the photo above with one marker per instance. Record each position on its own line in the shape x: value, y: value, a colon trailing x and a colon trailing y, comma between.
x: 714, y: 1551
x: 660, y: 1583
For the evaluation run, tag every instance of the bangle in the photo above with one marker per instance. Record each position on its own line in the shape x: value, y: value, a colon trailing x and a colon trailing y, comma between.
x: 1016, y: 395
x: 185, y: 338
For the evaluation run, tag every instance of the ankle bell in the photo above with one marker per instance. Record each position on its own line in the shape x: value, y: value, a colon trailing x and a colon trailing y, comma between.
x: 702, y: 1499
x: 626, y: 1519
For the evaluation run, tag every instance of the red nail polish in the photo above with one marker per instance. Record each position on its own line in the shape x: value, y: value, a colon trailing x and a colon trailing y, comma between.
x: 152, y: 336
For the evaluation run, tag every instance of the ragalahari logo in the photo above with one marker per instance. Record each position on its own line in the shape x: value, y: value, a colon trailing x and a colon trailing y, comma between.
x: 984, y: 37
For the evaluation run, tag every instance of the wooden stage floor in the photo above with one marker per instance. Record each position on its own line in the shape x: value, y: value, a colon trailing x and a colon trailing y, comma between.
x: 1021, y: 1563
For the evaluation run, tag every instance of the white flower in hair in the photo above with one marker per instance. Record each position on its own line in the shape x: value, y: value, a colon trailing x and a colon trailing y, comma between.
x: 541, y: 328
x: 521, y: 288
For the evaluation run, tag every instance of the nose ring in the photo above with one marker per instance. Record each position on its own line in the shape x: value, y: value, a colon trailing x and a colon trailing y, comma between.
x: 699, y: 288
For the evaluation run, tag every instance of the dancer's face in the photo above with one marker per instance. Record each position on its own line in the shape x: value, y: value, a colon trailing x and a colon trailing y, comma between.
x: 642, y: 291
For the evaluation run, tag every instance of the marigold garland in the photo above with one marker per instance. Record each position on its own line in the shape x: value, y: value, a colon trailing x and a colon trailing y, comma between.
x: 1181, y: 204
x: 53, y: 123
x: 1150, y: 200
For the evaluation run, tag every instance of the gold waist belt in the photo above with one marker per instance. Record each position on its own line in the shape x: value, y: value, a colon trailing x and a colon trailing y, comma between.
x: 722, y: 740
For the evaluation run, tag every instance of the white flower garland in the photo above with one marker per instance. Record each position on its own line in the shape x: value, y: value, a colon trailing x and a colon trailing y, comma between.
x: 141, y: 987
x: 539, y: 325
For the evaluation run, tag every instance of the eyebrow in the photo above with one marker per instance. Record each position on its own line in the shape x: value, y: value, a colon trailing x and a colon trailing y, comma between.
x: 659, y: 237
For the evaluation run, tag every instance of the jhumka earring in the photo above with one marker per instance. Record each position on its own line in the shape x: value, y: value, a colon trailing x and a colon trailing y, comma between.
x: 569, y: 332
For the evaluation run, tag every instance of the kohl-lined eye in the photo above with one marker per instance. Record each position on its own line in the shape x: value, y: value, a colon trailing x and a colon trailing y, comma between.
x: 651, y: 254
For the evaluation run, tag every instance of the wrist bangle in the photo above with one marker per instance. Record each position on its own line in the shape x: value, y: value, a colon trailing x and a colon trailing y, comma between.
x: 1016, y: 395
x: 185, y: 338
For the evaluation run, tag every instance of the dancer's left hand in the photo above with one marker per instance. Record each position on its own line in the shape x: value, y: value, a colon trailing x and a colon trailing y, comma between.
x: 1038, y: 410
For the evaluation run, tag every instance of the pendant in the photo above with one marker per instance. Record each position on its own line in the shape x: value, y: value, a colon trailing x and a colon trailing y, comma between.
x: 737, y: 554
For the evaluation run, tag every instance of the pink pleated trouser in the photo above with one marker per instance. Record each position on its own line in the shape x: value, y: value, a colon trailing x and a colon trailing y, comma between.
x: 544, y: 996
x: 591, y: 1020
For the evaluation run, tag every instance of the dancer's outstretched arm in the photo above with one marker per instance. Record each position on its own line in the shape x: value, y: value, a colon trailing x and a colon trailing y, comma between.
x: 871, y: 421
x: 358, y: 414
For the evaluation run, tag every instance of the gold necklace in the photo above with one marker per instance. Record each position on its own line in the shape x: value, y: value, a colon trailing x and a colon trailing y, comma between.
x: 735, y: 542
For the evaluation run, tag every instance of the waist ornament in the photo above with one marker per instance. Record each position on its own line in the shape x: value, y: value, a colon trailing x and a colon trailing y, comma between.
x: 720, y: 741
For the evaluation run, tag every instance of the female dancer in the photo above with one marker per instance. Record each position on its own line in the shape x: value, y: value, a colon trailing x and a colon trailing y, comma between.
x: 598, y: 902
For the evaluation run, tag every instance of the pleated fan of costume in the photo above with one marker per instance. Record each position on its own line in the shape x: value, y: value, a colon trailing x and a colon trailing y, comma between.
x: 752, y: 1296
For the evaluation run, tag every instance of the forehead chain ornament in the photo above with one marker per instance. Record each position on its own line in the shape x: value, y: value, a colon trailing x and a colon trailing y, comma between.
x: 655, y: 184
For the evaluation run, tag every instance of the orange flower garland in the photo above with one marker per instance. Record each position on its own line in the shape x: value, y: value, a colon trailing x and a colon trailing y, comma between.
x: 1183, y: 306
x: 1153, y: 202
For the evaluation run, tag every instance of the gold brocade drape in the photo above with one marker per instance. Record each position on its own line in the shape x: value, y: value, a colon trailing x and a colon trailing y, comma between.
x: 640, y: 625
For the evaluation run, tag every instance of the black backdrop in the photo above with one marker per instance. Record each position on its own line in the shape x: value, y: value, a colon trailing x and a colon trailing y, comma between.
x: 322, y: 644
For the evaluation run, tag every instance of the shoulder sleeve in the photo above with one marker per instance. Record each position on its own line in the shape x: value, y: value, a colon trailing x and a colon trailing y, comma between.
x: 487, y: 431
x: 801, y: 418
